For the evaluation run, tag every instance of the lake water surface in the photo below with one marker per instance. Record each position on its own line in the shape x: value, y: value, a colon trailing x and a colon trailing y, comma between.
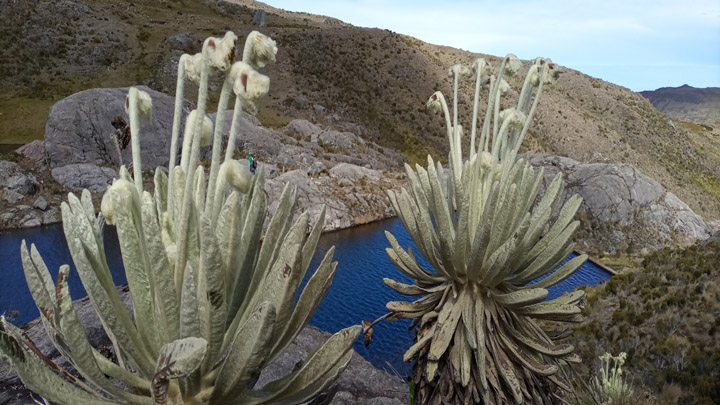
x: 357, y: 292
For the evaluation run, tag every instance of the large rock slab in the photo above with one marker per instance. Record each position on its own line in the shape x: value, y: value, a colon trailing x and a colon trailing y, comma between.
x: 623, y: 210
x: 85, y: 175
x: 79, y: 129
x: 352, y: 195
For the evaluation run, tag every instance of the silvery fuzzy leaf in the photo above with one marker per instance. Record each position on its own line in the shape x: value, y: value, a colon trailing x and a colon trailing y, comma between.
x: 79, y: 350
x: 161, y: 191
x: 36, y: 374
x: 273, y: 237
x: 128, y: 221
x: 555, y: 252
x: 95, y: 276
x: 213, y: 293
x: 242, y: 279
x: 318, y: 371
x: 310, y: 299
x: 562, y: 273
x: 166, y: 307
x: 176, y: 359
x: 189, y: 313
x: 447, y: 324
x: 310, y: 245
x: 247, y: 352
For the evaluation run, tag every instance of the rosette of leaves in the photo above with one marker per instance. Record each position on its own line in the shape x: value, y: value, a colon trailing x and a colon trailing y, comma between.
x: 212, y: 305
x: 479, y: 226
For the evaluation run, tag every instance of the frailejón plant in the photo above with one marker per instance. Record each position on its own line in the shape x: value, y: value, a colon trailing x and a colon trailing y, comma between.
x: 611, y: 387
x: 478, y: 226
x: 212, y: 305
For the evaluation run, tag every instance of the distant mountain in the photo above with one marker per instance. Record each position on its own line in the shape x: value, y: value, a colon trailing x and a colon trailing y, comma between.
x: 688, y: 103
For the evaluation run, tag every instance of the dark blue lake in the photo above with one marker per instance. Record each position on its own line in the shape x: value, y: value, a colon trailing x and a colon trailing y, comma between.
x: 357, y: 293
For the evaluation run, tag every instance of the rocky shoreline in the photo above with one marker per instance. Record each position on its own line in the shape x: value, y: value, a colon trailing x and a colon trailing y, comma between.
x: 328, y: 165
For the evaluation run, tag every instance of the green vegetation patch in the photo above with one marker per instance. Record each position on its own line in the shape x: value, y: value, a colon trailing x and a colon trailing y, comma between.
x: 666, y: 315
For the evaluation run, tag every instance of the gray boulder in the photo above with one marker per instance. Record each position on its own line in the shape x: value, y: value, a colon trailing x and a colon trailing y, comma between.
x: 181, y: 41
x: 623, y: 210
x: 21, y: 184
x: 319, y: 109
x: 352, y: 195
x: 41, y: 203
x: 13, y: 178
x: 84, y: 175
x: 340, y: 140
x: 252, y: 137
x: 7, y: 170
x: 79, y: 129
x: 51, y: 216
x: 34, y: 150
x: 304, y: 128
x: 353, y: 173
x: 316, y: 168
x: 260, y: 18
x: 311, y: 197
x: 12, y: 196
x: 31, y: 219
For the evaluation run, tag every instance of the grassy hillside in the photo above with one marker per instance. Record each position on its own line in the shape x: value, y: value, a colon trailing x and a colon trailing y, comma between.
x: 374, y: 82
x: 665, y: 314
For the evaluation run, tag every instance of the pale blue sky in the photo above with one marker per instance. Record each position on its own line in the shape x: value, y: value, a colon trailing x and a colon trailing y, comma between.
x: 642, y: 45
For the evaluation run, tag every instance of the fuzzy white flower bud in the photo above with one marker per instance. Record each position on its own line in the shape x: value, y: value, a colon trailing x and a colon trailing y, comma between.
x: 480, y: 63
x: 249, y: 85
x: 144, y: 104
x: 512, y: 65
x: 207, y: 128
x: 192, y: 65
x: 221, y: 51
x: 237, y: 175
x: 433, y: 104
x: 107, y: 209
x: 504, y: 87
x: 122, y: 190
x: 534, y: 73
x: 536, y: 70
x: 460, y: 70
x: 259, y: 50
x: 515, y: 117
x: 486, y: 160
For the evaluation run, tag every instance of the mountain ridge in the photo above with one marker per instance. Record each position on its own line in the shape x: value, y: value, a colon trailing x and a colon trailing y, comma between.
x: 370, y: 81
x: 698, y: 105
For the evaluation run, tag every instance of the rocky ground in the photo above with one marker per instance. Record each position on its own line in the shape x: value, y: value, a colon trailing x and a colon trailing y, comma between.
x: 336, y: 168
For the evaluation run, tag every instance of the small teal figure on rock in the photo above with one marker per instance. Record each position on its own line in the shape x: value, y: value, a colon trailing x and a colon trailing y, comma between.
x: 253, y: 164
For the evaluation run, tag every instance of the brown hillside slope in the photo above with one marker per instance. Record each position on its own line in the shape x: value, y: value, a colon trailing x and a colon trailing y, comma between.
x: 688, y: 103
x: 374, y: 82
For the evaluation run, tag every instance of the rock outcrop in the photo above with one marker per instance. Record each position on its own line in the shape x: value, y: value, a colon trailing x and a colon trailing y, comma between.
x: 329, y: 166
x: 360, y: 383
x: 351, y: 195
x: 85, y: 175
x: 79, y: 129
x: 623, y: 210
